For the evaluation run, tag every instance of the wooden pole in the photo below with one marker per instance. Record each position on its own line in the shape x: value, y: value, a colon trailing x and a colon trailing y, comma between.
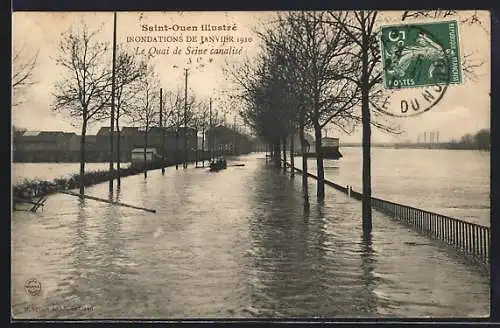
x: 162, y: 134
x: 185, y: 119
x: 210, y: 140
x: 106, y: 201
x: 112, y: 120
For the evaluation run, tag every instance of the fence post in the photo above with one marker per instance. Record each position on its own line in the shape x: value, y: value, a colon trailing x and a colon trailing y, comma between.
x: 470, y: 239
x: 447, y: 223
x: 468, y: 236
x: 455, y: 232
x: 419, y: 218
x: 465, y: 236
x: 474, y: 240
x: 462, y: 236
x: 484, y: 245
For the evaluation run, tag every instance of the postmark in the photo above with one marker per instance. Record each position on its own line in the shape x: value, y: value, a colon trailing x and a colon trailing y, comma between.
x: 33, y: 287
x: 419, y: 62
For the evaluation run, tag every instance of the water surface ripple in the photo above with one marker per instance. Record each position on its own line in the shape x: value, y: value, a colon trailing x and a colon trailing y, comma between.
x: 230, y: 244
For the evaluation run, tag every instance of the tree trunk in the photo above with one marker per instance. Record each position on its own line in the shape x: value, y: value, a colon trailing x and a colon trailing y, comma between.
x: 292, y: 159
x: 319, y: 162
x: 118, y: 148
x: 277, y: 153
x: 284, y: 154
x: 305, y: 186
x: 203, y: 147
x: 367, y: 191
x: 82, y: 157
x: 196, y: 149
x: 185, y: 148
x: 145, y: 154
x: 177, y: 148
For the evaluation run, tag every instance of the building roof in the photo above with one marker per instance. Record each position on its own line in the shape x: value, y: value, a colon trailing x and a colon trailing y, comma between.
x: 30, y: 133
x: 127, y: 130
x: 46, y: 136
x: 105, y: 130
x: 141, y: 150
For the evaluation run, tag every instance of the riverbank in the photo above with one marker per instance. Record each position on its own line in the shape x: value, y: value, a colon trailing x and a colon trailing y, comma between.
x: 447, y: 146
x: 38, y: 188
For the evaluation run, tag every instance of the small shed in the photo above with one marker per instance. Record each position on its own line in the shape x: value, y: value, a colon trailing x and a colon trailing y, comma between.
x: 137, y: 155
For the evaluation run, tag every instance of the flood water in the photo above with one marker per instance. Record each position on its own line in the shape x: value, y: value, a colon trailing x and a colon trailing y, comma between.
x: 231, y: 244
x: 455, y: 183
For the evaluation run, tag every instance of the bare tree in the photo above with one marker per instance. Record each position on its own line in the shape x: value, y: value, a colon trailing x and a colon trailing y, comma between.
x: 311, y: 54
x: 179, y: 118
x: 144, y: 111
x: 197, y: 123
x: 320, y: 57
x: 189, y: 116
x: 128, y: 71
x: 204, y: 122
x: 22, y: 75
x: 359, y: 26
x: 81, y: 92
x: 174, y: 106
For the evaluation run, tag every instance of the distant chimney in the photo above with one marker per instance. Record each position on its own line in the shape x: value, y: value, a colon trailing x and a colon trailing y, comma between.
x: 431, y: 137
x: 437, y: 136
x: 418, y: 138
x: 425, y: 137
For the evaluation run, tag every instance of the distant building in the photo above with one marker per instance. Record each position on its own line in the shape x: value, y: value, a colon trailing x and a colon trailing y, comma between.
x: 137, y: 155
x: 40, y: 146
x: 48, y: 146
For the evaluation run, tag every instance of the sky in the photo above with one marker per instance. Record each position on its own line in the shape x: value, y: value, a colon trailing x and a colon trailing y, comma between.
x: 465, y: 108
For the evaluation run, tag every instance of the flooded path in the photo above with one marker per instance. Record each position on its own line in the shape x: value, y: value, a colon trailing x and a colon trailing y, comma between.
x: 235, y: 243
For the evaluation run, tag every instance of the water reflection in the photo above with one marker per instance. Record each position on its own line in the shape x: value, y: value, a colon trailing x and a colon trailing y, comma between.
x: 76, y: 280
x: 237, y: 243
x: 368, y: 264
x: 286, y: 273
x: 304, y: 263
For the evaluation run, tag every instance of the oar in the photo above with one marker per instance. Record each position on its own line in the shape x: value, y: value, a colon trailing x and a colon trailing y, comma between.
x: 106, y: 201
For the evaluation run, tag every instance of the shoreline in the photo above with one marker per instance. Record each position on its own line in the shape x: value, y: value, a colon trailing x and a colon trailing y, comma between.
x: 40, y: 188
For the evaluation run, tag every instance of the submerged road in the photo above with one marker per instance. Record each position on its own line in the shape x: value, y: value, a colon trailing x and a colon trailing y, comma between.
x: 236, y: 244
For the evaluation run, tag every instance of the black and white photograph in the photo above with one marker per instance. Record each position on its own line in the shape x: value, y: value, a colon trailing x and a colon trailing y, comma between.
x: 250, y: 165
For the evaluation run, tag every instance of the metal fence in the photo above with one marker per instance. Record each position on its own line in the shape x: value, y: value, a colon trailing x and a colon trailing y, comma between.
x: 471, y: 240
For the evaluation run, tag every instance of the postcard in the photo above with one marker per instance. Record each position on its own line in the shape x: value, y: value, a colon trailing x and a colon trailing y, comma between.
x: 251, y: 165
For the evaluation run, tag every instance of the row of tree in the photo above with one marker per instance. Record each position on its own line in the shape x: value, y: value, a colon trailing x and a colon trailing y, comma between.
x: 84, y: 92
x: 316, y: 68
x: 480, y: 140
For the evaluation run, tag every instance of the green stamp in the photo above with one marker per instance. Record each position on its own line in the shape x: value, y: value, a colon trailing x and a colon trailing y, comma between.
x: 417, y: 55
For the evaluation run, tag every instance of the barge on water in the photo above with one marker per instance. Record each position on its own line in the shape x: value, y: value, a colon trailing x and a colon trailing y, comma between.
x: 329, y: 149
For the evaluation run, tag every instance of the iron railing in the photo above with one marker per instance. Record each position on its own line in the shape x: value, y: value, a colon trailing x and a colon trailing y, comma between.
x: 470, y: 239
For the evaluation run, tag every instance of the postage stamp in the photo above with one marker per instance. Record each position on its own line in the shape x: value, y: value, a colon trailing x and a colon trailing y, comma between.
x: 418, y: 55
